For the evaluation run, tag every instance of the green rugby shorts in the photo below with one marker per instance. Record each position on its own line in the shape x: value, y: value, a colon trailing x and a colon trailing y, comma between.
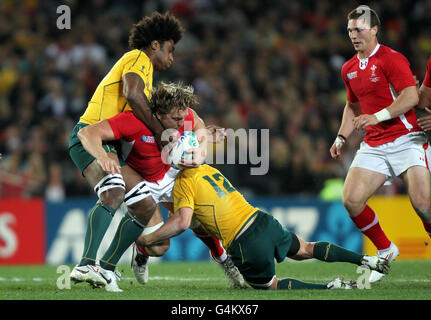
x: 254, y: 251
x: 80, y: 157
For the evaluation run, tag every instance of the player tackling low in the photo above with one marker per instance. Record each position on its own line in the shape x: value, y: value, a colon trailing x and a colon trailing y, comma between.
x: 381, y: 95
x: 252, y: 237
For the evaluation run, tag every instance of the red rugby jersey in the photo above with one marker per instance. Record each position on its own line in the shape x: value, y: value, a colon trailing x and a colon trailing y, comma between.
x: 427, y: 80
x: 375, y: 82
x: 139, y: 146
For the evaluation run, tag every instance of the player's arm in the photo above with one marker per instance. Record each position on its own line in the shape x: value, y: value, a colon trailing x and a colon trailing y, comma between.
x: 424, y: 106
x: 133, y: 90
x: 175, y: 225
x: 424, y: 97
x: 184, y: 194
x: 351, y: 110
x: 216, y: 133
x: 92, y: 137
x: 406, y: 100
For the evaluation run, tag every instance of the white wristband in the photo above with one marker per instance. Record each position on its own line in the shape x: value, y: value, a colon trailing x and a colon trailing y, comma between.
x: 339, y: 142
x: 383, y: 115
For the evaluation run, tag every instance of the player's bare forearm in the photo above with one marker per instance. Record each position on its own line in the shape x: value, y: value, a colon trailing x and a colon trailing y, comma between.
x: 347, y: 126
x: 91, y: 138
x: 133, y: 89
x: 175, y: 225
x: 351, y: 110
x: 216, y: 134
x: 406, y: 100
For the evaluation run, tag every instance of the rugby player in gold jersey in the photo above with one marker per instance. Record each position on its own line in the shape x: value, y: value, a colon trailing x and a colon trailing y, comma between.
x: 253, y: 238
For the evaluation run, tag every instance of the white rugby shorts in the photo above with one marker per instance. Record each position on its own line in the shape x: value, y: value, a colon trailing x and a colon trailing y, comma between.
x: 393, y: 158
x: 162, y: 189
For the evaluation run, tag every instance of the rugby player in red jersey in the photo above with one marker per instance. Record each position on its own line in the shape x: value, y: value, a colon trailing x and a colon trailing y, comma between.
x: 381, y: 95
x: 150, y: 175
x: 425, y: 102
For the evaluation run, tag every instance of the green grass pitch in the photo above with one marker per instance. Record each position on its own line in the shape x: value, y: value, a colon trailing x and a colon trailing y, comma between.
x: 408, y: 280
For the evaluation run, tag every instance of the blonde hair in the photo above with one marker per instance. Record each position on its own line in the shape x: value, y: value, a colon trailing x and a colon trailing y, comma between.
x: 167, y: 96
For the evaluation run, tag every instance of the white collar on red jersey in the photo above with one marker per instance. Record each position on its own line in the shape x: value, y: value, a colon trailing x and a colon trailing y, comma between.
x: 364, y: 62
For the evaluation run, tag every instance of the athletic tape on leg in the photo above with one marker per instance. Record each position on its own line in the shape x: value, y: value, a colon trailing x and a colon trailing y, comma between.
x: 138, y: 192
x: 109, y: 182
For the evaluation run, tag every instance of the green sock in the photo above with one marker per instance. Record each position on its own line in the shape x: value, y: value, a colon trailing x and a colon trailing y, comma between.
x: 330, y: 252
x: 292, y: 284
x: 127, y: 232
x: 98, y: 222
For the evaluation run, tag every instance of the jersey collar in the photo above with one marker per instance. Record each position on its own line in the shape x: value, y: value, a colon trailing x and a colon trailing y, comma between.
x: 372, y: 53
x: 364, y: 62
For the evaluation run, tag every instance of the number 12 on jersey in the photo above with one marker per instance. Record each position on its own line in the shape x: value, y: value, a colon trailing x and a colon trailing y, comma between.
x: 215, y: 183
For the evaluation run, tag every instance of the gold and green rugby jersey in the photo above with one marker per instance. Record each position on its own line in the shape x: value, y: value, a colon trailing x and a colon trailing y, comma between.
x: 219, y: 207
x: 108, y: 100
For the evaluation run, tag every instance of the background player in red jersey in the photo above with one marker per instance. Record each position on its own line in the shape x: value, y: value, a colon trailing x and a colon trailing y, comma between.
x: 150, y: 177
x: 424, y: 105
x: 381, y: 95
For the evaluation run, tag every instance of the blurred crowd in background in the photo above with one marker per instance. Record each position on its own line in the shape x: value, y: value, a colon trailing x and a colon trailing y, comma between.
x: 254, y: 64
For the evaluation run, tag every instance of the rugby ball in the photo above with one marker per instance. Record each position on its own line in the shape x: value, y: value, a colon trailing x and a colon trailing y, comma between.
x: 187, y: 140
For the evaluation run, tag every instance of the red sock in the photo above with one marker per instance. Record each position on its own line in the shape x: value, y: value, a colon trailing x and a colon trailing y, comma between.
x: 212, y: 243
x: 368, y: 223
x: 427, y: 227
x: 142, y: 250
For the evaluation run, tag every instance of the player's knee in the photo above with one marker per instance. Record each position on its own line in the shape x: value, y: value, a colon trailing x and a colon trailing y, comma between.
x: 144, y: 209
x: 110, y: 190
x: 422, y: 208
x: 305, y: 251
x: 352, y: 204
x: 274, y: 284
x: 309, y: 249
x: 140, y: 203
x: 112, y: 197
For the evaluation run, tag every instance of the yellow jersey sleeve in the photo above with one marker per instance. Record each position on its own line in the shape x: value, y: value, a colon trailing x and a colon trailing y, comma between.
x: 140, y: 64
x: 184, y: 193
x: 108, y: 99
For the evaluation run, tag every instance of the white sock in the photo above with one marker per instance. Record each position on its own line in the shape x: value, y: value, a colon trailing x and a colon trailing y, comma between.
x: 387, y: 249
x: 221, y: 259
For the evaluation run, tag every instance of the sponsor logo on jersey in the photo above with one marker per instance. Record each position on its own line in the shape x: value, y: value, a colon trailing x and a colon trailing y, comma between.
x: 352, y: 75
x: 363, y: 63
x: 148, y: 139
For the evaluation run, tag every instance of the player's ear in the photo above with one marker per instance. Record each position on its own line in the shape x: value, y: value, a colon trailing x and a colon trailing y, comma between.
x: 155, y: 45
x: 374, y: 30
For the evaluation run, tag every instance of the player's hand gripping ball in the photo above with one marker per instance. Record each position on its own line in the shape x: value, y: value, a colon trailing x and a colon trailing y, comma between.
x: 186, y: 142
